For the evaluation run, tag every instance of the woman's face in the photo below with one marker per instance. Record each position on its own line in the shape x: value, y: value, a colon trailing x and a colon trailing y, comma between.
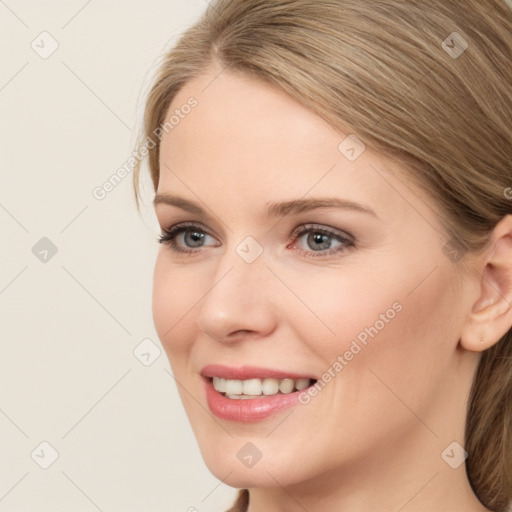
x: 360, y: 296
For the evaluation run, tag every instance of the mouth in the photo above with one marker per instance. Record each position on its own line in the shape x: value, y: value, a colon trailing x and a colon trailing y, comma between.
x: 248, y: 394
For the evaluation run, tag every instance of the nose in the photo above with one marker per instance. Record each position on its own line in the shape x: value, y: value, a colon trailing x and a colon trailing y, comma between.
x: 238, y: 304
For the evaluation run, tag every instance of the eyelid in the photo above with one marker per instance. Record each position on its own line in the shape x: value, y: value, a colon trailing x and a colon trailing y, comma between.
x: 336, y: 233
x: 187, y: 224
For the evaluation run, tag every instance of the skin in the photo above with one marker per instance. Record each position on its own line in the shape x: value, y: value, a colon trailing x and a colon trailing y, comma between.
x: 372, y: 438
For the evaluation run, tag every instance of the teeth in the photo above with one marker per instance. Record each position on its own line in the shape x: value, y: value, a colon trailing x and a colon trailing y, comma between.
x: 301, y: 384
x: 254, y: 388
x: 270, y: 386
x: 234, y: 387
x: 287, y: 385
x: 219, y: 384
x: 251, y: 387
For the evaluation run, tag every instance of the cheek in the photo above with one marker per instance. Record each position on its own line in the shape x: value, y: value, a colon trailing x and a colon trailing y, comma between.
x: 397, y: 323
x: 408, y: 356
x: 344, y: 306
x: 175, y: 291
x: 396, y: 302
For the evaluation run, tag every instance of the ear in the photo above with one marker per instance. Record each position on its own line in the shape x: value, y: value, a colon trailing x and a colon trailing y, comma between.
x: 491, y: 316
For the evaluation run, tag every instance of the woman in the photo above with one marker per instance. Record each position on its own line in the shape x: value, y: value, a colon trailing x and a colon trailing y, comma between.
x: 334, y: 286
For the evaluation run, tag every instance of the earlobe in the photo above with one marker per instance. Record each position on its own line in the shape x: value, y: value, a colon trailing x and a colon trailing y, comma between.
x: 491, y: 315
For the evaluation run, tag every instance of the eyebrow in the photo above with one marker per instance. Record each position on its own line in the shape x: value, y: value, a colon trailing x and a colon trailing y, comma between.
x: 273, y: 209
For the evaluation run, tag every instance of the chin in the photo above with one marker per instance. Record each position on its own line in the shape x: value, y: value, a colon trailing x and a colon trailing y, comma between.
x: 231, y: 463
x: 257, y: 476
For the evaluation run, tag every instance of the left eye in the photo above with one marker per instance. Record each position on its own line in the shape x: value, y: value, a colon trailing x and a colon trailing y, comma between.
x: 319, y: 241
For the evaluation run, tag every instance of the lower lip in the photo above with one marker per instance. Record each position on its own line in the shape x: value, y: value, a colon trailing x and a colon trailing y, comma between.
x: 247, y: 410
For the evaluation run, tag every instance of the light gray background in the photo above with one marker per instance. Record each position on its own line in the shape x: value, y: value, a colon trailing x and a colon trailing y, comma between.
x: 69, y: 325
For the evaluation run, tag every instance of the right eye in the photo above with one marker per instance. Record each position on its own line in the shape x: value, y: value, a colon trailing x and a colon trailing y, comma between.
x: 191, y: 242
x: 184, y: 238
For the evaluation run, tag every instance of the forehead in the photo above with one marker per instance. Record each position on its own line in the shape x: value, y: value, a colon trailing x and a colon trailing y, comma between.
x: 247, y: 139
x: 245, y: 117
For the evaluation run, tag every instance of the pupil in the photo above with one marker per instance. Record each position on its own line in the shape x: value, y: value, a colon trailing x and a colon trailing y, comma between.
x: 319, y: 238
x: 195, y: 237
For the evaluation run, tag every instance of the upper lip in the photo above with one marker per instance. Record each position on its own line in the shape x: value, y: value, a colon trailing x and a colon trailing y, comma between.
x: 248, y: 372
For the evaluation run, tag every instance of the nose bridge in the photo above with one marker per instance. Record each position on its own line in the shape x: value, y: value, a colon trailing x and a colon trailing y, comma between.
x: 238, y: 298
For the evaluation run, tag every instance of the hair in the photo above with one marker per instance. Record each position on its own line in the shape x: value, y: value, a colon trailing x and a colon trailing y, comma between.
x: 381, y: 71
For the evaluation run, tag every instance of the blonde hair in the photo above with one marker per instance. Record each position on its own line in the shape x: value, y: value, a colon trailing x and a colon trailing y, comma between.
x: 428, y: 83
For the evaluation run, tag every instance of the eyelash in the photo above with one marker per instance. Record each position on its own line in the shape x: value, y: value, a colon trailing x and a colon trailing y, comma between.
x: 169, y: 238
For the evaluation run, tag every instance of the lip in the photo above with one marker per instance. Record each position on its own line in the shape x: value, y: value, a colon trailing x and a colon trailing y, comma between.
x: 250, y: 410
x: 249, y: 372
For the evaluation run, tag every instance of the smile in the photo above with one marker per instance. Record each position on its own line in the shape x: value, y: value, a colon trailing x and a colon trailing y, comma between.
x: 249, y: 394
